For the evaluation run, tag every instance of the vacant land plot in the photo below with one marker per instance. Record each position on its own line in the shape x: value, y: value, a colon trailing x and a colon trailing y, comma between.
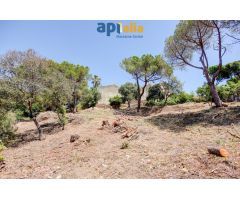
x: 164, y: 143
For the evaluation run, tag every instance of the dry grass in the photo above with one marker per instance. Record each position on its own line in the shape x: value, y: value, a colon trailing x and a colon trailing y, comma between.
x: 171, y: 143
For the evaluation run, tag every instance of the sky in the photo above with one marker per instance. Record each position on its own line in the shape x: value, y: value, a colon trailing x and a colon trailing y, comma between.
x: 79, y: 42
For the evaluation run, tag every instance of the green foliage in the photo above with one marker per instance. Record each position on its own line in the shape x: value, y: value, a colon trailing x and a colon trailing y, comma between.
x: 128, y: 92
x: 1, y: 158
x: 230, y: 91
x: 165, y: 89
x: 148, y: 66
x: 152, y: 102
x: 2, y: 147
x: 228, y: 71
x: 227, y: 92
x: 115, y: 102
x: 183, y: 97
x: 96, y: 81
x: 155, y: 93
x: 7, y: 130
x: 90, y: 98
x: 204, y: 93
x: 62, y: 118
x: 77, y: 77
x: 146, y: 69
x: 30, y: 84
x: 179, y: 98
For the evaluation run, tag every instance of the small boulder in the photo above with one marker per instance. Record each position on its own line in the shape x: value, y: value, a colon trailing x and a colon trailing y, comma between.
x: 74, y: 137
x: 105, y: 123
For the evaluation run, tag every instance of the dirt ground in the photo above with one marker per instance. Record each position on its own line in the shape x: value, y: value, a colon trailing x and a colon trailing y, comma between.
x: 165, y: 143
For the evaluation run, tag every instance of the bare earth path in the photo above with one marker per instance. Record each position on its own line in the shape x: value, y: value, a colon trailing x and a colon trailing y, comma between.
x: 171, y: 144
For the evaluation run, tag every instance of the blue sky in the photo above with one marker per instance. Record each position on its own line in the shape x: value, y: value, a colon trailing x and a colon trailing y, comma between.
x: 79, y: 42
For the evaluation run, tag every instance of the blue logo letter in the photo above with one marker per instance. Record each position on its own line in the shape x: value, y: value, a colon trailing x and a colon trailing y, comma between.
x: 110, y: 28
x: 101, y: 27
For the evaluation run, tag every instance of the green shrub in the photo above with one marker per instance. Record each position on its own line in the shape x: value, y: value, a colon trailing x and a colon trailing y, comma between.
x: 150, y: 102
x: 7, y: 130
x: 174, y: 99
x: 115, y: 102
x: 204, y: 93
x: 62, y: 118
x: 154, y: 103
x: 90, y: 98
x: 1, y: 149
x: 155, y: 93
x: 184, y: 97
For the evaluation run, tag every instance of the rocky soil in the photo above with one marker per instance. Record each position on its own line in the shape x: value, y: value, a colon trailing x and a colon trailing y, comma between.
x: 161, y: 143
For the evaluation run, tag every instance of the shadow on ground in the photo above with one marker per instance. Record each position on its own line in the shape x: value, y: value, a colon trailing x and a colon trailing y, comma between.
x: 32, y: 135
x: 144, y: 111
x: 178, y: 122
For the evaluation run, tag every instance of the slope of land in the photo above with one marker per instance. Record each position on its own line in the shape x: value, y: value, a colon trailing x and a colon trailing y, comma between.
x: 171, y: 143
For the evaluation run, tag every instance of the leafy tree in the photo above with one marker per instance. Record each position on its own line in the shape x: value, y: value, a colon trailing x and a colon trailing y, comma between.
x: 23, y: 72
x: 146, y: 69
x: 229, y: 71
x: 96, y: 81
x: 128, y: 92
x: 78, y: 76
x: 57, y: 94
x: 90, y: 97
x: 230, y: 91
x: 196, y: 37
x: 170, y: 86
x: 155, y: 93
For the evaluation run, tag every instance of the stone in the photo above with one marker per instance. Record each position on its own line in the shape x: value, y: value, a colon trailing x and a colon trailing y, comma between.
x: 74, y: 137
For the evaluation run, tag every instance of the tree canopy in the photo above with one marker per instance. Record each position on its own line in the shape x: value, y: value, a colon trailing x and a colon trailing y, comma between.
x: 145, y: 69
x: 197, y: 37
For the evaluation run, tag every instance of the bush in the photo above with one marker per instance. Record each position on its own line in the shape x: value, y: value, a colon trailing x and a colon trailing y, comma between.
x: 62, y: 118
x: 155, y: 93
x: 1, y: 149
x: 154, y: 103
x: 174, y: 99
x: 204, y: 93
x: 128, y: 92
x: 7, y: 130
x: 115, y: 102
x: 90, y: 98
x: 184, y: 97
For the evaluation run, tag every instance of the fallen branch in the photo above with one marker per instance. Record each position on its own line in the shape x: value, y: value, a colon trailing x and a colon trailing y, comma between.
x: 218, y: 152
x: 232, y: 134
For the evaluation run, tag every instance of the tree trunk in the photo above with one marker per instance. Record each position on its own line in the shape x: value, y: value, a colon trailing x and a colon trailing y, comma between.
x: 140, y: 93
x: 165, y: 101
x: 213, y: 90
x: 138, y: 96
x: 34, y: 120
x: 129, y: 104
x: 74, y: 109
x: 215, y: 96
x: 74, y: 104
x: 38, y: 128
x: 139, y: 103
